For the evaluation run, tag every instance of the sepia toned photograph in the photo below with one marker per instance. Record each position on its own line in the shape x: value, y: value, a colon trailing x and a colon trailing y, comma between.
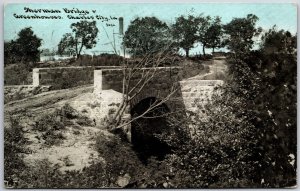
x: 150, y: 95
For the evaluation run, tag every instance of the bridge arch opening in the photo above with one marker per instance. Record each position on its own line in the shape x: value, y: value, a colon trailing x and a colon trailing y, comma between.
x: 145, y: 131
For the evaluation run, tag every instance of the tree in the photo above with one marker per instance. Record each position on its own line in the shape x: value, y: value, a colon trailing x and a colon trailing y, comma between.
x: 10, y: 52
x: 274, y: 41
x: 276, y: 64
x: 83, y: 34
x: 25, y: 48
x: 184, y: 32
x: 146, y: 35
x: 67, y: 45
x: 214, y: 34
x: 240, y: 33
x: 203, y: 24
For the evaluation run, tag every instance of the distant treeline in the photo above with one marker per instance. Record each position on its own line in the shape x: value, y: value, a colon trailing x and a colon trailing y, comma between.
x: 149, y: 35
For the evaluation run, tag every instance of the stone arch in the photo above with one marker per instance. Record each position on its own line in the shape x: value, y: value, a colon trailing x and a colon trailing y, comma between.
x: 152, y: 92
x: 144, y: 130
x: 145, y: 94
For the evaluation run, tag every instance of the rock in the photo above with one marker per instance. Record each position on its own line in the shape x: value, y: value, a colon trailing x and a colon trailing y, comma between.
x: 165, y: 184
x: 123, y: 180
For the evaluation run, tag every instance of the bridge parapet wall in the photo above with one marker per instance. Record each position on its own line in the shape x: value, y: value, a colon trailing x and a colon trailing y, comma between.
x: 66, y: 77
x: 159, y: 86
x: 113, y: 78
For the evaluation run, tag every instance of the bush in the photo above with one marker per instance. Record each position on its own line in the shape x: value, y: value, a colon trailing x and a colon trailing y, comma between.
x: 201, y: 57
x: 14, y: 142
x: 52, y: 137
x: 119, y: 156
x: 17, y: 74
x: 49, y: 122
x: 222, y: 150
x: 85, y: 121
x: 68, y: 112
x: 100, y: 60
x: 238, y: 141
x: 121, y: 159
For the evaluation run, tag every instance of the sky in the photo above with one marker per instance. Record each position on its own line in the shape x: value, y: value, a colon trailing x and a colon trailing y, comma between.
x: 283, y: 15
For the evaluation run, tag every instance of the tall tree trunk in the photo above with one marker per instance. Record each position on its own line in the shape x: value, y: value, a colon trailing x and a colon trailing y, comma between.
x: 203, y: 49
x: 79, y: 51
x: 76, y: 49
x: 213, y: 50
x: 187, y: 51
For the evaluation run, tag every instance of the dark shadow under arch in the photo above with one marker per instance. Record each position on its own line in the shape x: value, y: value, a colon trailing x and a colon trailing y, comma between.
x: 145, y: 130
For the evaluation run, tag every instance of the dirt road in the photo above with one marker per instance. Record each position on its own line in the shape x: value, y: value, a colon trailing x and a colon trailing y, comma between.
x: 217, y: 70
x: 44, y: 101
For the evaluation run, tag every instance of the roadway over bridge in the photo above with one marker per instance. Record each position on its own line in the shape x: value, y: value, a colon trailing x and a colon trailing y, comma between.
x: 108, y: 88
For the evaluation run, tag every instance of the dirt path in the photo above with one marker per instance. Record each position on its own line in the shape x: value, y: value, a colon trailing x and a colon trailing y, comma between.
x: 44, y: 101
x: 216, y: 68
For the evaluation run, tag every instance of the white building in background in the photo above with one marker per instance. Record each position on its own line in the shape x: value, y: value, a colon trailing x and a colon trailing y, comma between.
x: 54, y: 58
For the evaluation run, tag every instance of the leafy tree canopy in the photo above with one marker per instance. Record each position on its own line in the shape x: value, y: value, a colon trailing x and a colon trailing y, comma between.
x: 240, y: 33
x: 203, y: 23
x: 146, y: 35
x: 184, y: 32
x: 214, y: 34
x: 83, y: 34
x: 24, y: 49
x: 274, y: 41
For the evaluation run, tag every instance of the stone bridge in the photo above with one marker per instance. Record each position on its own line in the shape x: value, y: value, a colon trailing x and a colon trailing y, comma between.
x: 188, y: 91
x: 108, y: 88
x: 158, y: 87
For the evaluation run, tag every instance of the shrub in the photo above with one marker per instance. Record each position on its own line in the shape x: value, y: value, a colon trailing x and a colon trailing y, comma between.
x: 17, y: 74
x: 222, y: 150
x: 99, y: 60
x: 49, y: 122
x: 52, y: 137
x: 94, y: 104
x: 14, y: 142
x: 68, y: 112
x: 119, y: 157
x: 51, y: 125
x: 85, y: 121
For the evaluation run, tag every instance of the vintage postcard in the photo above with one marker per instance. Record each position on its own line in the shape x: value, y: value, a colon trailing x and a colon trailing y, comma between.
x: 195, y: 95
